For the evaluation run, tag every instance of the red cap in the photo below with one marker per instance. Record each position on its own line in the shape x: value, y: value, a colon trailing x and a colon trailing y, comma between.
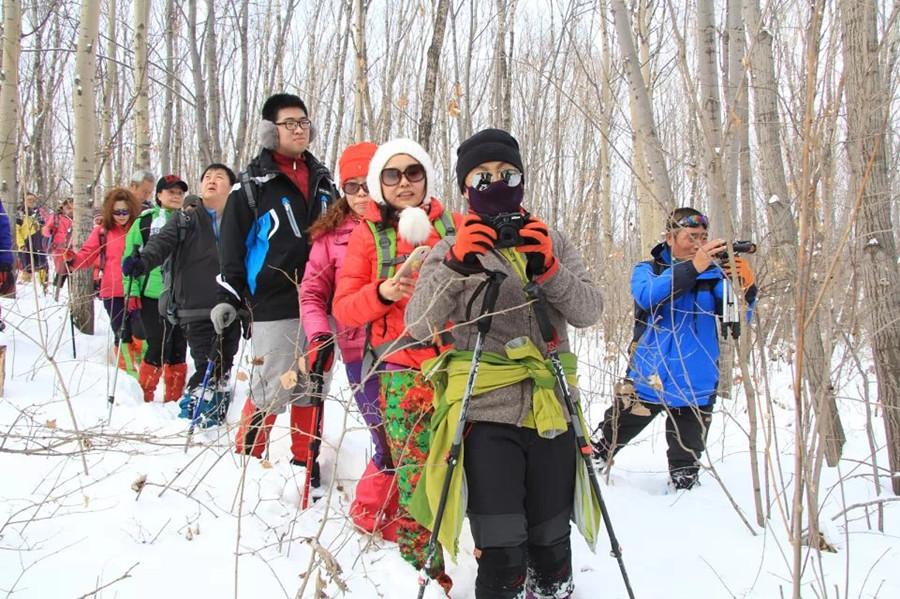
x: 354, y: 162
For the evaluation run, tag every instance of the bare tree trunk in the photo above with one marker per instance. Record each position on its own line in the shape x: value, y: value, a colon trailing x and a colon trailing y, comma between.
x: 241, y: 151
x: 110, y: 93
x: 426, y: 118
x: 142, y: 101
x: 645, y: 124
x: 165, y: 150
x: 867, y: 117
x: 200, y: 101
x: 85, y: 157
x: 605, y: 168
x: 361, y: 88
x: 783, y: 267
x: 35, y: 165
x: 9, y: 109
x: 212, y: 81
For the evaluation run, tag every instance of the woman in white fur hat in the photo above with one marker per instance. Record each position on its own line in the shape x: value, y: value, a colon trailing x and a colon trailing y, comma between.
x: 404, y: 215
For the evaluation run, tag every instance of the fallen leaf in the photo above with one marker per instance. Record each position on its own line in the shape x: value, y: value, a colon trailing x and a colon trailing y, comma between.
x: 258, y: 360
x: 241, y: 376
x: 51, y: 423
x: 288, y: 379
x: 86, y: 500
x: 266, y: 464
x: 138, y: 484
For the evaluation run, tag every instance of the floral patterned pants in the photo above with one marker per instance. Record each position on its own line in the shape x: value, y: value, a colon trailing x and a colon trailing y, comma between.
x: 406, y: 399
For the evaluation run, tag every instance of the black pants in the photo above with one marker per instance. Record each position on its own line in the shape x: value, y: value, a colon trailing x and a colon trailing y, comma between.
x: 200, y: 337
x: 686, y: 430
x: 521, y: 489
x: 165, y: 341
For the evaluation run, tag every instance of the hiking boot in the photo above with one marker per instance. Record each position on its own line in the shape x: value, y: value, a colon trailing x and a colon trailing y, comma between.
x: 684, y: 479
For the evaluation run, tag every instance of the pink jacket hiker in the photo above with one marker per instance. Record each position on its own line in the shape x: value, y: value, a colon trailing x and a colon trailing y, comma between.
x: 111, y: 283
x: 323, y: 268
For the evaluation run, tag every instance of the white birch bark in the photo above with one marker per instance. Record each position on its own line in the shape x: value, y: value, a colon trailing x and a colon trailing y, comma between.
x: 85, y: 157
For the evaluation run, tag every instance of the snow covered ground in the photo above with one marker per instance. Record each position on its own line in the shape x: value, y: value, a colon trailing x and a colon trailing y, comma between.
x: 210, y: 524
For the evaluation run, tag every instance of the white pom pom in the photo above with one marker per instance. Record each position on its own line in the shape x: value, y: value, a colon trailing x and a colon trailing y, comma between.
x: 414, y: 225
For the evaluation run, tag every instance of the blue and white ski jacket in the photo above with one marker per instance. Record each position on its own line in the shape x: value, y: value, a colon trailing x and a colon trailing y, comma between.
x: 676, y: 358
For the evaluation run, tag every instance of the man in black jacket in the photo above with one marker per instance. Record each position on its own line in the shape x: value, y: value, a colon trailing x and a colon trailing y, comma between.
x: 264, y: 252
x: 189, y: 241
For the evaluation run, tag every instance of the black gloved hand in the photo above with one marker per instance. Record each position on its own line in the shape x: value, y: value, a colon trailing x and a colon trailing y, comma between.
x: 133, y: 266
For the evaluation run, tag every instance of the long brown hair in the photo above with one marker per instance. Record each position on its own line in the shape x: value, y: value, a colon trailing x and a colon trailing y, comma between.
x: 331, y: 220
x: 119, y: 194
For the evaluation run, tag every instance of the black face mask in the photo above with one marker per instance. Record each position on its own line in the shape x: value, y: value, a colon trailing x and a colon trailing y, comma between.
x: 497, y: 198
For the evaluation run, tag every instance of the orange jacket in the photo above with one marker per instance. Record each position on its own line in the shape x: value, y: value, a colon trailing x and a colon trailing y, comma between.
x: 356, y: 302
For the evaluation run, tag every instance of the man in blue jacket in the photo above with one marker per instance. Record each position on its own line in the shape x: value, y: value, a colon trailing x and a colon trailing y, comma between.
x: 674, y: 356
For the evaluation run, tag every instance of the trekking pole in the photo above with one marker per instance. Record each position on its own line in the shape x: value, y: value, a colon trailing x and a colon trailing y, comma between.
x: 317, y: 374
x: 194, y: 404
x: 548, y: 333
x: 125, y: 317
x: 495, y: 278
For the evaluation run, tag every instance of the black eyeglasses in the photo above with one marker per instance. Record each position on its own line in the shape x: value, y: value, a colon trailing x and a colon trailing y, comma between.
x: 351, y: 188
x: 121, y: 212
x: 291, y: 124
x: 413, y: 173
x: 512, y: 177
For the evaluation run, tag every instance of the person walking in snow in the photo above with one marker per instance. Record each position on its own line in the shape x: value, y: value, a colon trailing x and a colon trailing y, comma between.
x: 673, y: 365
x: 166, y: 345
x: 7, y: 260
x: 57, y: 232
x: 404, y: 215
x: 106, y: 245
x: 189, y: 241
x: 376, y: 495
x: 264, y: 253
x: 29, y: 222
x: 519, y: 453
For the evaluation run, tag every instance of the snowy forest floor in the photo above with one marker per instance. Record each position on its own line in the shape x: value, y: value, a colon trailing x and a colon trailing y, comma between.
x: 208, y: 523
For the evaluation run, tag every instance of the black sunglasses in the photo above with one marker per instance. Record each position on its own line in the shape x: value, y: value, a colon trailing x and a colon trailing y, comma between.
x: 351, y: 188
x: 413, y: 173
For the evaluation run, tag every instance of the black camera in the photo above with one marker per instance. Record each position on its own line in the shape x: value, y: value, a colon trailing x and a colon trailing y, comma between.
x: 740, y: 247
x: 507, y: 226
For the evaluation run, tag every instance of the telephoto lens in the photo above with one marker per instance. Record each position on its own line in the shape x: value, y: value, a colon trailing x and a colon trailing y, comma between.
x: 744, y: 247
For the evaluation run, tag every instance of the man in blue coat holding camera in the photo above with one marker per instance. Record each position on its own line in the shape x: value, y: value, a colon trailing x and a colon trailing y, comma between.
x: 674, y: 355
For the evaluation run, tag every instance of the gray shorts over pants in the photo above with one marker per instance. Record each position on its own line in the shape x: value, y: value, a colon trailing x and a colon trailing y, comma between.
x: 276, y: 347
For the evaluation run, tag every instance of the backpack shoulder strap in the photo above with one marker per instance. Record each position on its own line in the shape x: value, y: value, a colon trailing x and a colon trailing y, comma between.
x: 444, y: 225
x: 248, y: 188
x: 385, y: 249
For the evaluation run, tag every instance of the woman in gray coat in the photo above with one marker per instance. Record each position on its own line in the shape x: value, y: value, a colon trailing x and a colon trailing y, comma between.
x: 519, y: 461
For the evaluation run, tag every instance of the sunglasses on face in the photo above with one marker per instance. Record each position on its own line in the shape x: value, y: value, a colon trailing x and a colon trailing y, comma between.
x: 512, y: 177
x: 413, y: 173
x: 352, y: 188
x: 121, y: 212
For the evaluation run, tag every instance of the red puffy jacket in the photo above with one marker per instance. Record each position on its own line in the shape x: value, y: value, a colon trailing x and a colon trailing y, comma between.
x: 356, y: 301
x: 111, y: 283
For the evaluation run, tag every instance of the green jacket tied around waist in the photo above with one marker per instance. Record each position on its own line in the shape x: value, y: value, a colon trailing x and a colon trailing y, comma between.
x: 449, y: 373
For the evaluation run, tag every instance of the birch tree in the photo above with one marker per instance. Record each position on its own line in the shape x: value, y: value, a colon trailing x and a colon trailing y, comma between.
x: 426, y: 118
x: 85, y: 158
x: 141, y: 91
x: 647, y: 148
x: 9, y: 109
x: 867, y: 112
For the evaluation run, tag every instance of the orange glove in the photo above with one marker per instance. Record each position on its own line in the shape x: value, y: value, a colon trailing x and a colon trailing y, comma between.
x: 537, y: 247
x: 474, y: 239
x: 742, y: 269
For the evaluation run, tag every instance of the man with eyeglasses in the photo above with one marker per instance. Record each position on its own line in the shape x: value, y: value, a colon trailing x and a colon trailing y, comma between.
x: 673, y: 366
x: 189, y: 240
x: 264, y: 252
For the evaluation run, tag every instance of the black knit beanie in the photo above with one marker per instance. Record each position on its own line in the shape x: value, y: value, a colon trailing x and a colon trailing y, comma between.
x: 485, y: 146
